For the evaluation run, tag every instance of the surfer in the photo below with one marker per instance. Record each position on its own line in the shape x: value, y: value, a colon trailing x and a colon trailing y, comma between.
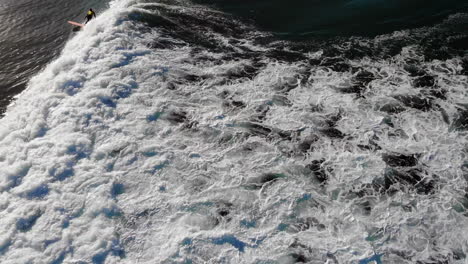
x: 90, y: 15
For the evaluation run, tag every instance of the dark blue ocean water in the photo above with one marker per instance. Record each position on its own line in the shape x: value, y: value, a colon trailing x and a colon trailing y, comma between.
x: 303, y: 19
x: 31, y: 34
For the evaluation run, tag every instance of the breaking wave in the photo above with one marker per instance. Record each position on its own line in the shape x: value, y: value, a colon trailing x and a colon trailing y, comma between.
x: 169, y: 132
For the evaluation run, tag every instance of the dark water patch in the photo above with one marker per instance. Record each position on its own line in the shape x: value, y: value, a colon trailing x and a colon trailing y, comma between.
x: 460, y: 43
x: 458, y: 254
x: 464, y: 168
x: 243, y: 54
x: 49, y: 242
x: 192, y: 78
x: 4, y: 246
x: 337, y: 64
x: 333, y: 118
x: 176, y: 117
x: 462, y: 203
x: 400, y: 160
x: 42, y: 131
x: 464, y: 64
x: 355, y: 89
x: 261, y: 112
x: 363, y: 78
x: 223, y: 212
x: 436, y: 48
x: 424, y: 81
x: 230, y: 239
x: 259, y: 181
x: 187, y: 241
x: 373, y: 259
x: 410, y: 179
x: 117, y: 248
x: 445, y: 115
x: 60, y: 258
x: 25, y: 224
x: 234, y: 104
x: 15, y: 179
x: 370, y: 147
x: 285, y: 55
x: 460, y: 122
x: 437, y: 259
x: 100, y: 258
x: 107, y: 101
x: 245, y: 71
x: 80, y: 151
x: 248, y: 224
x: 387, y: 121
x: 389, y: 48
x: 287, y: 135
x: 159, y: 167
x: 418, y: 102
x: 365, y: 208
x: 318, y: 170
x: 171, y: 86
x: 38, y: 193
x: 117, y: 189
x: 435, y: 93
x: 224, y: 94
x: 329, y: 120
x: 332, y: 133
x: 391, y: 108
x: 295, y: 257
x: 365, y: 190
x: 124, y: 90
x: 154, y: 117
x: 62, y: 173
x: 373, y: 142
x: 306, y: 144
x: 257, y: 129
x: 251, y: 146
x: 111, y: 212
x: 358, y: 50
x: 191, y: 125
x: 316, y: 108
x: 163, y: 43
x: 135, y: 219
x: 414, y: 70
x: 403, y: 254
x: 146, y: 213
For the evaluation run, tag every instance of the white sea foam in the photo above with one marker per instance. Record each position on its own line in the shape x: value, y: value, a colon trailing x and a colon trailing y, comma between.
x: 102, y: 163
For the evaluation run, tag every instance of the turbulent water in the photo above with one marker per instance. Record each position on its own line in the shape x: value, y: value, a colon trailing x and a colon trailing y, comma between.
x: 172, y: 132
x: 31, y: 34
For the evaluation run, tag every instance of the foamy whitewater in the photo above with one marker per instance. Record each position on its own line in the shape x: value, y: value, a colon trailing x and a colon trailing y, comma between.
x: 157, y: 138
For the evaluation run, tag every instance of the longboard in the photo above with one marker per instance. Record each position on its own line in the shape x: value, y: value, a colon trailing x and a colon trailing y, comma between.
x: 76, y: 24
